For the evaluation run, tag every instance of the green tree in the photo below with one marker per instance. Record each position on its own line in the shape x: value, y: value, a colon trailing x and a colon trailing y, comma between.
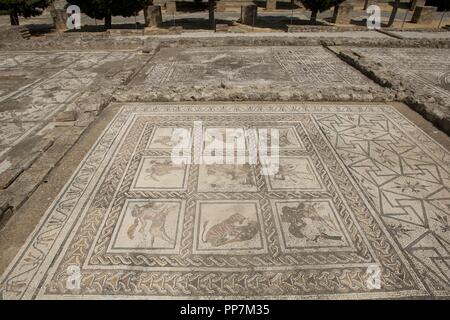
x: 317, y: 6
x: 25, y: 8
x: 105, y: 9
x: 443, y: 5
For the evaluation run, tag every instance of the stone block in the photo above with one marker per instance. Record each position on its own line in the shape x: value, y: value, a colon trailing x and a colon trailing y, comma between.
x: 249, y: 14
x: 176, y: 29
x: 66, y: 115
x: 271, y: 4
x: 423, y: 15
x: 342, y: 14
x: 221, y: 28
x: 171, y: 7
x: 153, y: 16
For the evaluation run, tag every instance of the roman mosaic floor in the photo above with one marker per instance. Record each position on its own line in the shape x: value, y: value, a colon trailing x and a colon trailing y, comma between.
x: 35, y: 86
x: 306, y: 66
x: 428, y: 69
x: 359, y: 207
x: 359, y: 187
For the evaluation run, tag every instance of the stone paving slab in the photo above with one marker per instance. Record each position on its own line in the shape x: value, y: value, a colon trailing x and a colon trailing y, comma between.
x: 358, y: 186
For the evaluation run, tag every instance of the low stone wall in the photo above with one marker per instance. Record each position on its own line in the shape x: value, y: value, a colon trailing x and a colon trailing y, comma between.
x: 228, y: 91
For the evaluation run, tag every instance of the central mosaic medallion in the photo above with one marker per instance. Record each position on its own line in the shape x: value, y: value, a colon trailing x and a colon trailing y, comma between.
x: 133, y: 223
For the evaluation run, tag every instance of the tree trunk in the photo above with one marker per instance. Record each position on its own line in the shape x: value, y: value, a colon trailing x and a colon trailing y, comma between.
x: 313, y: 19
x: 108, y: 22
x: 366, y: 4
x: 393, y: 13
x: 14, y: 18
x: 211, y: 14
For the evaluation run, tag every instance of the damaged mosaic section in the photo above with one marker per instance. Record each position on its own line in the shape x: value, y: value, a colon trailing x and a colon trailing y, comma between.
x: 426, y: 70
x: 306, y: 66
x: 34, y: 87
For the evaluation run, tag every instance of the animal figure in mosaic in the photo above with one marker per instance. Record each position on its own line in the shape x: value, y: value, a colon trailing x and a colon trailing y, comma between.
x: 220, y: 172
x: 306, y: 222
x: 168, y: 140
x: 155, y: 214
x: 235, y: 228
x: 290, y: 171
x: 160, y: 169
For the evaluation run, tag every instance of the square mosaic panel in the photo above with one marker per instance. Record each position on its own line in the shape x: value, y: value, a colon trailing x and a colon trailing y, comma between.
x: 306, y: 66
x: 363, y: 187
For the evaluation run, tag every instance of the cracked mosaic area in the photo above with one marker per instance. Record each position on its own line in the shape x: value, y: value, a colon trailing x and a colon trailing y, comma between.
x: 306, y: 66
x: 35, y: 86
x: 426, y: 69
x: 364, y: 187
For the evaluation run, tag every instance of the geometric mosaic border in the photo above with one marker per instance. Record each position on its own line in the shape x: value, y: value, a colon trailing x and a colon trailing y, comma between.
x: 35, y: 272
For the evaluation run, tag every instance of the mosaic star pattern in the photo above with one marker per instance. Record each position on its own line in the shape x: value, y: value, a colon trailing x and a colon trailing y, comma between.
x: 358, y: 186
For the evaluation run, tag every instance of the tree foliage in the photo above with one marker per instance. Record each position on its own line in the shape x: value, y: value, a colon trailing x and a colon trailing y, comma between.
x: 105, y: 9
x: 443, y: 5
x: 25, y: 8
x: 316, y: 6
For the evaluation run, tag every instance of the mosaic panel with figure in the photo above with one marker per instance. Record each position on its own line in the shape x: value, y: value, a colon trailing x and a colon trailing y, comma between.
x: 359, y: 187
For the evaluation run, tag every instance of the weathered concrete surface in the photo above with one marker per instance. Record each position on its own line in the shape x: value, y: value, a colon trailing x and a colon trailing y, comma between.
x: 376, y: 183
